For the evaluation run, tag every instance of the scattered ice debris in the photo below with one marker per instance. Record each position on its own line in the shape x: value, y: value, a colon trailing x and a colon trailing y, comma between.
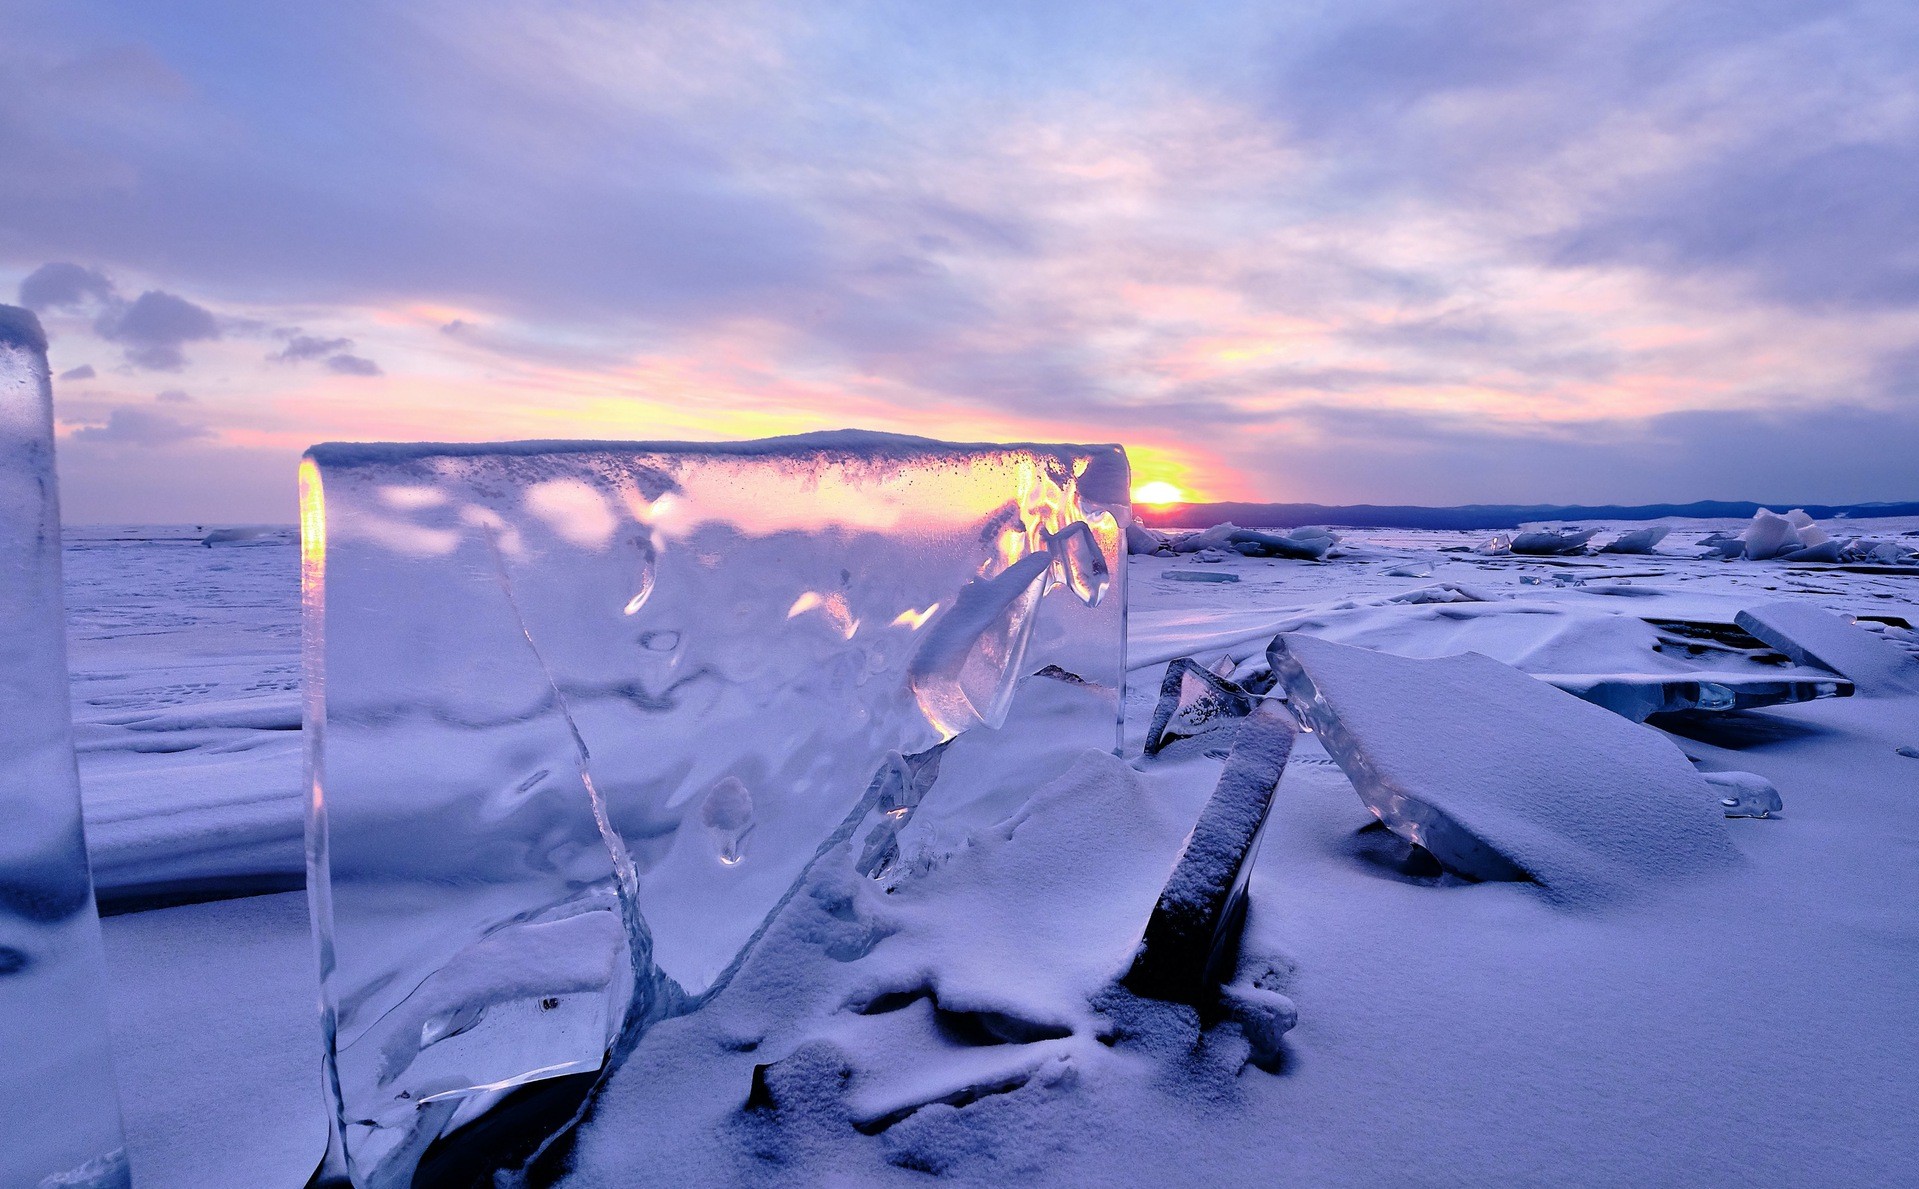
x: 1638, y: 696
x: 1193, y: 701
x: 1143, y: 540
x: 1303, y: 544
x: 1551, y: 580
x: 1214, y: 556
x: 1745, y: 794
x: 1192, y: 939
x: 1443, y: 592
x: 1548, y: 542
x: 1811, y: 636
x: 59, y: 1111
x: 1264, y: 1016
x: 1219, y: 536
x: 1501, y: 776
x: 1499, y: 544
x: 1639, y: 540
x: 1770, y: 535
x: 1199, y: 575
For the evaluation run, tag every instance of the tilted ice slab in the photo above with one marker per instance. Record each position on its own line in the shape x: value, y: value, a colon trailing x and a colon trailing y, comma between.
x: 582, y: 715
x: 1811, y: 636
x: 59, y: 1112
x: 1638, y: 696
x: 1193, y: 701
x: 1500, y: 775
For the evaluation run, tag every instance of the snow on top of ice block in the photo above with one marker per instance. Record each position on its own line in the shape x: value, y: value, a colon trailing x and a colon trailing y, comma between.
x: 1585, y: 802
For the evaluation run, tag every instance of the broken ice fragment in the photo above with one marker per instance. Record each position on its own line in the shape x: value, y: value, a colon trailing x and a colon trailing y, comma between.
x: 1501, y: 776
x: 1192, y: 937
x: 965, y: 669
x: 1264, y: 1016
x: 1079, y: 563
x: 59, y: 1114
x: 1545, y: 541
x: 1192, y: 702
x: 1638, y: 696
x: 897, y: 789
x: 1745, y: 794
x: 1638, y: 540
x: 1812, y: 636
x: 1301, y: 544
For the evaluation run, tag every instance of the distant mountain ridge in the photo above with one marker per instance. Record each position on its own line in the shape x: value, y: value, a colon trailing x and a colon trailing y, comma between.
x: 1481, y: 516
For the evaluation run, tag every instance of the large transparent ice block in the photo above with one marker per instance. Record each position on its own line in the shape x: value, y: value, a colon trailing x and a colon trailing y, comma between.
x: 581, y: 714
x: 59, y: 1112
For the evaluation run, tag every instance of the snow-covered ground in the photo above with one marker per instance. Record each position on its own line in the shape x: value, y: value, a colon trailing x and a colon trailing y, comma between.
x: 1745, y: 1024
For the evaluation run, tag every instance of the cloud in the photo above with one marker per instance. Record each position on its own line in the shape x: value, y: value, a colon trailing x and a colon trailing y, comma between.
x: 174, y: 396
x: 131, y: 425
x: 61, y: 286
x: 301, y: 347
x: 153, y: 328
x: 352, y: 365
x: 83, y: 372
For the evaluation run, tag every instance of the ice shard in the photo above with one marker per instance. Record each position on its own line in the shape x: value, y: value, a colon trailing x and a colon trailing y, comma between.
x: 1812, y: 636
x: 59, y: 1113
x: 1193, y: 701
x: 580, y: 716
x: 1501, y: 776
x: 1638, y: 696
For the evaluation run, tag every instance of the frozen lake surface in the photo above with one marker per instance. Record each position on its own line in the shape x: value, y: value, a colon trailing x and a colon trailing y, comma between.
x: 1748, y: 1025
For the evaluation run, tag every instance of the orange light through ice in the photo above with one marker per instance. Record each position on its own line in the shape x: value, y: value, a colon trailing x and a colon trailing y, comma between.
x: 1157, y: 492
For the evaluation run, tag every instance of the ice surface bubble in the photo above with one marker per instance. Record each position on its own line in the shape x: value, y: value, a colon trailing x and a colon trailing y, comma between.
x: 727, y: 811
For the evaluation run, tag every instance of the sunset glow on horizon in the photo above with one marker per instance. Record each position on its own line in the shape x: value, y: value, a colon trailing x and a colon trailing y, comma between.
x: 1157, y: 493
x: 1208, y: 240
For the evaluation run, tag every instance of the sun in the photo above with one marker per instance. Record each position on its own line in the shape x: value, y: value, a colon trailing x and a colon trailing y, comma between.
x: 1157, y: 492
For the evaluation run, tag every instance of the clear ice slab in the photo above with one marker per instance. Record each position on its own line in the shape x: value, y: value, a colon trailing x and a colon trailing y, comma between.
x: 1638, y: 696
x: 1811, y: 636
x: 59, y: 1110
x: 1501, y: 776
x: 581, y: 715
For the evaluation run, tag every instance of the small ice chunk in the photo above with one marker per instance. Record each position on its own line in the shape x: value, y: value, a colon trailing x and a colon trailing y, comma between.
x: 1769, y: 535
x: 1140, y: 539
x: 1501, y: 776
x: 1193, y: 701
x: 1546, y: 541
x: 1907, y: 750
x: 1192, y: 938
x: 1826, y: 551
x: 1639, y: 540
x: 1811, y: 636
x: 1499, y: 543
x: 1199, y: 575
x: 1217, y: 537
x: 1745, y: 794
x: 897, y: 790
x: 965, y: 670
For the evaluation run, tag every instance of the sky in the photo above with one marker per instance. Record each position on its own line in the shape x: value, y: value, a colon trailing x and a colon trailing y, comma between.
x: 1391, y: 251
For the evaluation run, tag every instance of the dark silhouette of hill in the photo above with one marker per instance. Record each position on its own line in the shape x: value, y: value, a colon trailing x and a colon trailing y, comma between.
x: 1480, y: 516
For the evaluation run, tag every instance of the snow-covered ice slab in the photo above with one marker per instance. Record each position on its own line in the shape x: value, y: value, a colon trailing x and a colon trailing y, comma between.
x: 581, y: 715
x: 59, y: 1112
x: 1638, y: 696
x: 1193, y: 934
x: 1501, y: 776
x: 1811, y: 636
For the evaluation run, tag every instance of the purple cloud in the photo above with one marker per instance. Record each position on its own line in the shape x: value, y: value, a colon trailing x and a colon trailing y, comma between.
x: 154, y: 327
x: 130, y: 425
